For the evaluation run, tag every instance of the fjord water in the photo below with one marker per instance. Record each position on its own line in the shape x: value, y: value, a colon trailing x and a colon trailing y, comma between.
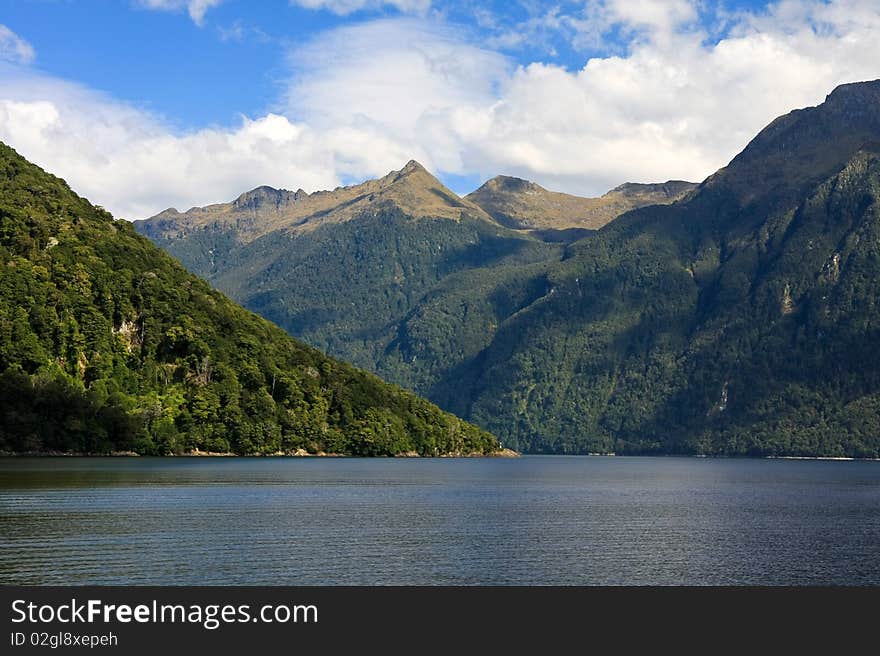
x: 531, y: 520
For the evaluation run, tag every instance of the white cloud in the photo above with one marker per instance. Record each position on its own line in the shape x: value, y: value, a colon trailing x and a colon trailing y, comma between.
x: 195, y: 8
x: 134, y: 165
x: 400, y: 80
x: 345, y: 7
x: 657, y: 15
x: 13, y: 48
x: 585, y: 25
x: 364, y: 99
x: 675, y: 106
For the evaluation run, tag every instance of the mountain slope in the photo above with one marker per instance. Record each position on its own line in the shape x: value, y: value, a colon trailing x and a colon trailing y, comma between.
x: 107, y: 344
x: 740, y: 321
x: 402, y: 277
x: 522, y: 204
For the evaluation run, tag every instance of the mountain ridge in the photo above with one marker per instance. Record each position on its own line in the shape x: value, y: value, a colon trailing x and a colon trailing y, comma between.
x: 681, y: 316
x: 823, y: 137
x: 522, y: 204
x: 412, y: 189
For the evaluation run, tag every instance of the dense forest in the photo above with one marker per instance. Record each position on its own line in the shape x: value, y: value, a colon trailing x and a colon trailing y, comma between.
x: 108, y: 344
x: 741, y: 320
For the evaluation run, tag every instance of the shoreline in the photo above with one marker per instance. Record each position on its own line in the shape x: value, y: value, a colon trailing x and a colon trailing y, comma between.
x: 299, y: 453
x: 843, y: 458
x: 503, y: 453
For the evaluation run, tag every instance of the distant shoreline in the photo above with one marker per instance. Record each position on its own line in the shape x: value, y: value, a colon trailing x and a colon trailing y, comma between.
x: 845, y: 458
x: 502, y: 453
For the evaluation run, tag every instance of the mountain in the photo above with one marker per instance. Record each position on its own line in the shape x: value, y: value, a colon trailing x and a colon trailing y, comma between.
x: 397, y: 275
x: 411, y: 191
x: 108, y: 344
x: 741, y: 319
x: 363, y: 272
x: 521, y: 204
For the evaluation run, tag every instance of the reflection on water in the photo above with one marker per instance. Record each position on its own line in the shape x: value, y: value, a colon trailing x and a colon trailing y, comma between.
x: 531, y: 520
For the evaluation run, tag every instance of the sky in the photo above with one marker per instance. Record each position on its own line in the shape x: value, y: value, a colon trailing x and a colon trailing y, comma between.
x: 147, y: 104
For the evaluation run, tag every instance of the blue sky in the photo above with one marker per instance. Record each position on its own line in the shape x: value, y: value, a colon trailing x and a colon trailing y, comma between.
x: 143, y: 104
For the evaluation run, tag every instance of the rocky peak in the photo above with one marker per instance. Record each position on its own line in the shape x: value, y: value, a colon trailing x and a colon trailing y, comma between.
x: 168, y: 213
x: 671, y: 189
x: 413, y: 166
x: 264, y: 196
x: 804, y: 146
x: 412, y: 190
x: 856, y: 99
x: 507, y: 183
x: 412, y: 170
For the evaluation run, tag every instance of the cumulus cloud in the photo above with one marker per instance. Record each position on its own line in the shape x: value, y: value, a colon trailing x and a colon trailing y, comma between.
x: 364, y: 99
x: 345, y: 7
x: 676, y: 105
x: 134, y: 165
x: 195, y: 8
x: 404, y: 81
x: 13, y: 48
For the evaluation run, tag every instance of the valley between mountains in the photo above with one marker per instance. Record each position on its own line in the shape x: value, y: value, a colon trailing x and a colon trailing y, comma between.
x: 737, y: 316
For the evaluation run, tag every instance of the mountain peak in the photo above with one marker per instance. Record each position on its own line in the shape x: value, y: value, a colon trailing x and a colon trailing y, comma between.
x: 262, y: 196
x: 510, y: 183
x: 413, y: 166
x: 855, y: 92
x: 412, y: 191
x: 418, y: 193
x: 412, y: 169
x: 804, y: 146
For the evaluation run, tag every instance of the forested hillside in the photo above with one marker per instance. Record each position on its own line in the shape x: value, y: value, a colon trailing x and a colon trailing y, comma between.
x: 108, y: 344
x: 742, y: 321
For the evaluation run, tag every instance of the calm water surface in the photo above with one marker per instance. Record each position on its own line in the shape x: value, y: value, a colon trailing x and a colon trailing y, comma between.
x: 531, y: 520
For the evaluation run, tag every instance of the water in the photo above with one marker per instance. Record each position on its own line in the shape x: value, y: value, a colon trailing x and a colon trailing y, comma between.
x: 531, y: 520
